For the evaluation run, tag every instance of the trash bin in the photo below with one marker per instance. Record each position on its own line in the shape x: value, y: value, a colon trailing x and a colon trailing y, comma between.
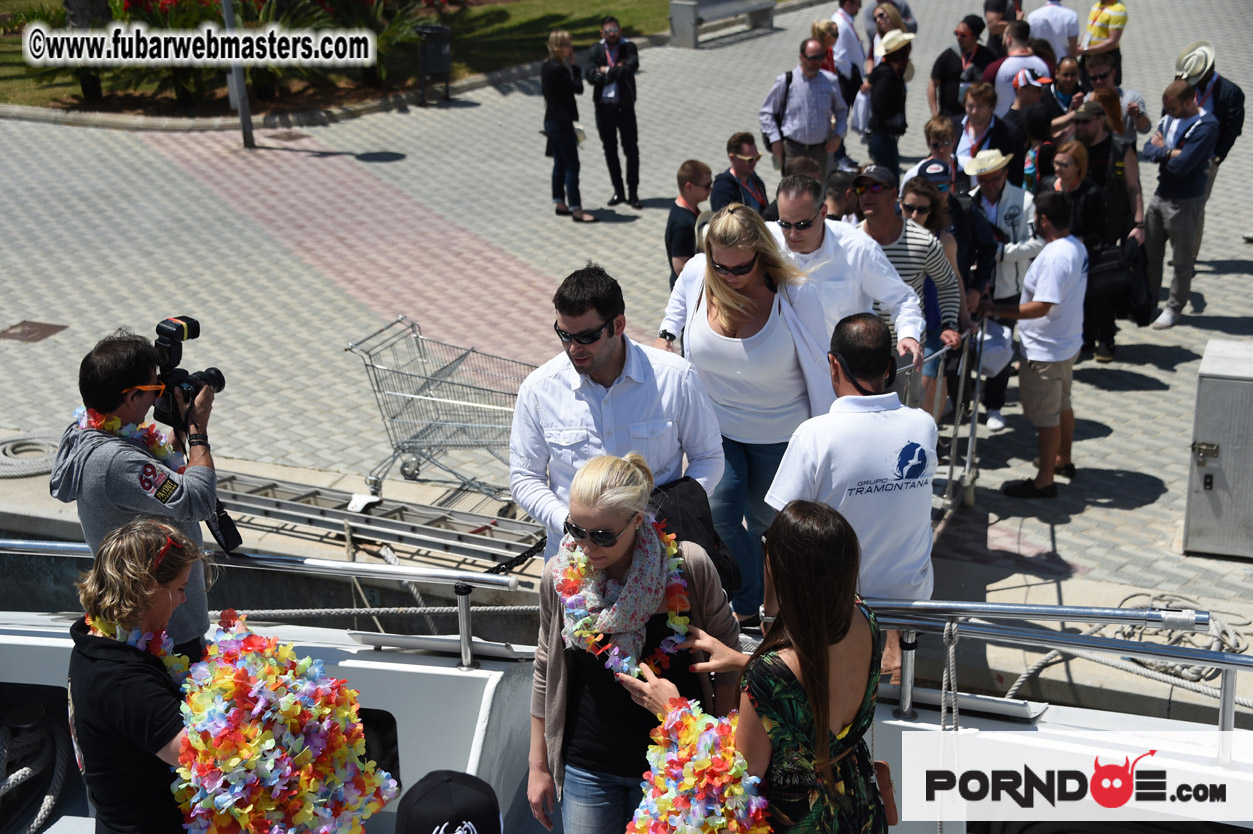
x: 434, y: 55
x: 436, y: 51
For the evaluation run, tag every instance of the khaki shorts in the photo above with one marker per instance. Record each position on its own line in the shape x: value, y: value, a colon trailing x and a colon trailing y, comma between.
x: 1044, y: 388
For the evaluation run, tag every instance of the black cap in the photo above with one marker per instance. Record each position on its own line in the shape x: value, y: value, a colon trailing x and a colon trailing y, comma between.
x: 879, y: 174
x: 936, y: 171
x: 449, y: 800
x: 974, y: 23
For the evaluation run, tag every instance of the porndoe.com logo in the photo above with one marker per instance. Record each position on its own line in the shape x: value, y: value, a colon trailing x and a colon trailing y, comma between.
x: 1026, y: 775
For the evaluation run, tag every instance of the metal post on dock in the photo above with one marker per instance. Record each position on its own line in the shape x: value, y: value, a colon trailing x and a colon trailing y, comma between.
x: 905, y: 708
x: 463, y: 592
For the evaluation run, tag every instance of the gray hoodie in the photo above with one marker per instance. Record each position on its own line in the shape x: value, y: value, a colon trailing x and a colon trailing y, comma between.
x: 115, y: 480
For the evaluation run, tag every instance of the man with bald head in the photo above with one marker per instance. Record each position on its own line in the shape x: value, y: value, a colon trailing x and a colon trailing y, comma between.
x: 804, y: 113
x: 1182, y: 146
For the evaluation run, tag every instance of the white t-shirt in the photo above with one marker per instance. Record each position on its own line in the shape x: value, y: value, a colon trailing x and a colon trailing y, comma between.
x: 873, y: 460
x: 756, y: 384
x: 1059, y: 274
x: 1056, y: 24
x: 847, y: 52
x: 1005, y: 79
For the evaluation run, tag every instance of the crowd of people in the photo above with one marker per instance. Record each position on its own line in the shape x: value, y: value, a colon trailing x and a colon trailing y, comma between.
x: 788, y: 315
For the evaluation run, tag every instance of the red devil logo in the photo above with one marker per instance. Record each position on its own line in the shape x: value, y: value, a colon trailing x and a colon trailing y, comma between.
x: 1111, y: 785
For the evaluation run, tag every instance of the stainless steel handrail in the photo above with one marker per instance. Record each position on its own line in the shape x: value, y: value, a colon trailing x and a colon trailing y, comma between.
x: 1229, y: 663
x: 298, y: 564
x: 1179, y: 619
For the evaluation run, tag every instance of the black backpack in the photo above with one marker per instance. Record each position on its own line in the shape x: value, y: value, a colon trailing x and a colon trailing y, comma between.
x: 684, y: 507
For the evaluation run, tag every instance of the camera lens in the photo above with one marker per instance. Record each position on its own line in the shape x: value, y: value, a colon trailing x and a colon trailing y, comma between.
x: 211, y: 377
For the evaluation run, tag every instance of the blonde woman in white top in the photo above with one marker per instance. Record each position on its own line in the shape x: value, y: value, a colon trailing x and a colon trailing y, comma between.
x: 755, y: 332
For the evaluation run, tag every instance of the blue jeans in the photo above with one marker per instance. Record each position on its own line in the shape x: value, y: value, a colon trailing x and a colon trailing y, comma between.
x: 565, y: 147
x: 598, y: 803
x: 741, y: 494
x: 883, y: 151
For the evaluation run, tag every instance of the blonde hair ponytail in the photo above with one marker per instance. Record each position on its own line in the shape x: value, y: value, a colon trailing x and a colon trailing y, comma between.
x: 621, y: 485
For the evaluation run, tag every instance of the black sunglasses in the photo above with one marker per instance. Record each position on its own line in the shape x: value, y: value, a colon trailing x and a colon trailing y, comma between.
x: 801, y: 225
x: 742, y: 269
x: 586, y: 338
x: 817, y: 57
x: 915, y: 209
x: 600, y: 538
x: 1102, y: 76
x: 873, y: 188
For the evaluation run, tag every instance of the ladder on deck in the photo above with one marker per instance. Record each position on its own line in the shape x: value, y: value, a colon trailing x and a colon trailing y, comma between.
x: 398, y: 523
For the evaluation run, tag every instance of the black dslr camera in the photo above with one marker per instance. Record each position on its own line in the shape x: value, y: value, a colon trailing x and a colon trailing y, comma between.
x: 171, y: 333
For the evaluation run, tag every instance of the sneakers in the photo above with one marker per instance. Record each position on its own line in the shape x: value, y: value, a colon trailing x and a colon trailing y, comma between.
x: 1168, y: 319
x: 1027, y: 489
x: 995, y: 421
x: 1104, y: 352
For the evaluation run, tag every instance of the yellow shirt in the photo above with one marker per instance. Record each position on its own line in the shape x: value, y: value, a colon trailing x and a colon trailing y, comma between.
x: 1104, y: 18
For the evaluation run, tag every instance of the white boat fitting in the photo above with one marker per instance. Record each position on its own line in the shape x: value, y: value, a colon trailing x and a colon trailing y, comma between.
x: 462, y: 703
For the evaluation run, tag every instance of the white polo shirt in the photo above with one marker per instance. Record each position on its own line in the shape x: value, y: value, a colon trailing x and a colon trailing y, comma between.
x: 1056, y: 24
x: 873, y: 460
x: 1059, y: 275
x: 657, y: 407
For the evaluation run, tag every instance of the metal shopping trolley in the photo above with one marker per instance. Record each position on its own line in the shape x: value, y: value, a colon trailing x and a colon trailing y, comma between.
x: 435, y: 396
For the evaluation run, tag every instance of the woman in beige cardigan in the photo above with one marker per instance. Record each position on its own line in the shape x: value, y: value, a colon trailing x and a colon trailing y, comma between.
x: 619, y: 592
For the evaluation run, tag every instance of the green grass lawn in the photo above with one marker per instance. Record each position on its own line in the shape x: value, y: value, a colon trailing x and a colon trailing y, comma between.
x: 484, y: 38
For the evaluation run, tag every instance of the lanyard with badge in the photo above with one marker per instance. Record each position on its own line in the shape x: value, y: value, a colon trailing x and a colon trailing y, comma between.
x: 609, y: 95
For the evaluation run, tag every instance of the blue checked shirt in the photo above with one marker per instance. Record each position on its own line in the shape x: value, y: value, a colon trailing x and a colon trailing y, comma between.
x: 811, y: 104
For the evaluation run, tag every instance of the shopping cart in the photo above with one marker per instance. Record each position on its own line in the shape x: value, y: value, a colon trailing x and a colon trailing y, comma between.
x: 435, y: 397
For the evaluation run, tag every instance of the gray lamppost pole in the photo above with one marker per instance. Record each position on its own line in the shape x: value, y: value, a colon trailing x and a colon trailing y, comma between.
x: 235, y: 81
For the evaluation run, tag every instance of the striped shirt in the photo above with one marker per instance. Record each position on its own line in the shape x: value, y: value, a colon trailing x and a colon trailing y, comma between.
x: 917, y: 254
x: 1104, y: 18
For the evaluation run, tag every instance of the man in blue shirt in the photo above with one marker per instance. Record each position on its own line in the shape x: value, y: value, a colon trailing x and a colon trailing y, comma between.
x: 1182, y: 146
x: 804, y: 113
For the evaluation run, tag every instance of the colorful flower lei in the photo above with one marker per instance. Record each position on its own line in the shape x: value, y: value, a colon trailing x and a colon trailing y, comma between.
x: 273, y: 744
x: 147, y: 435
x: 575, y: 579
x: 698, y: 781
x: 158, y: 645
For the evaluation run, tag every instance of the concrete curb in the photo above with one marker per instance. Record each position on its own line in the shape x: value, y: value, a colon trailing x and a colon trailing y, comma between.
x: 310, y: 118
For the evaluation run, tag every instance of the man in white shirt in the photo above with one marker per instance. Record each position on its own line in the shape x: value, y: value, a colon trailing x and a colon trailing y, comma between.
x: 1051, y: 333
x: 1018, y: 57
x: 605, y: 395
x: 1058, y: 25
x: 848, y: 53
x: 873, y: 460
x: 849, y: 270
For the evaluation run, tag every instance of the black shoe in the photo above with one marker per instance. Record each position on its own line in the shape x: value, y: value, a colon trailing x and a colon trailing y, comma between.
x: 1104, y: 352
x: 617, y: 199
x: 635, y: 202
x: 1066, y: 471
x: 1028, y: 489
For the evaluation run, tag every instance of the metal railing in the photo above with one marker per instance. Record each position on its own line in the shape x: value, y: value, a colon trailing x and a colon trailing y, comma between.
x: 463, y: 582
x: 912, y: 618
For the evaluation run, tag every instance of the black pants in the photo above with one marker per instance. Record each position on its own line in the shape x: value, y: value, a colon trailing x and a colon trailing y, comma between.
x: 1099, y: 311
x: 610, y: 120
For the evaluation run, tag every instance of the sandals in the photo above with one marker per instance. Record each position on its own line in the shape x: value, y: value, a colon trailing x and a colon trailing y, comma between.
x: 562, y: 212
x: 583, y: 217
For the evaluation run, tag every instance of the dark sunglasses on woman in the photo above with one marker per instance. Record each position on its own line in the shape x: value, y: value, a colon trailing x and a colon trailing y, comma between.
x: 600, y: 538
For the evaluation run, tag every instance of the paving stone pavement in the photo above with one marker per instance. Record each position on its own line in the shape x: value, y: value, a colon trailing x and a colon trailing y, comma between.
x: 324, y: 234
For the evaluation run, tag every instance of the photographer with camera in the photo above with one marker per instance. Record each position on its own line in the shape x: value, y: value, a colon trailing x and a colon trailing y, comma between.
x: 119, y: 467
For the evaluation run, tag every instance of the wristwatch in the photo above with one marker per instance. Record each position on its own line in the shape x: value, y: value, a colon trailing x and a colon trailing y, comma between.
x: 765, y: 621
x: 666, y: 334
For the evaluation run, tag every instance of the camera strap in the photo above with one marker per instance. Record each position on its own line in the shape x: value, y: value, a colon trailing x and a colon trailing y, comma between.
x: 223, y: 528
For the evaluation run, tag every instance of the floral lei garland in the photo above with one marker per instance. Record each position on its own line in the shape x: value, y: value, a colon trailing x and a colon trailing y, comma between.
x: 159, y: 645
x: 152, y: 438
x: 577, y: 576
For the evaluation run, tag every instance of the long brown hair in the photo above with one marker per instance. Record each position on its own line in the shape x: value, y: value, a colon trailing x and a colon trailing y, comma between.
x: 810, y: 546
x: 126, y: 570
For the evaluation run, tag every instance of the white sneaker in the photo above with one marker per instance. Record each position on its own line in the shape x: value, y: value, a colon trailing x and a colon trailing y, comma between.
x: 1169, y: 318
x: 995, y: 421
